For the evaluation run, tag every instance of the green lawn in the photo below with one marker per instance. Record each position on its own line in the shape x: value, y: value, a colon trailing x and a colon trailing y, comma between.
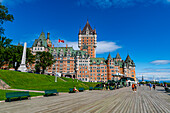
x: 3, y: 94
x: 21, y: 80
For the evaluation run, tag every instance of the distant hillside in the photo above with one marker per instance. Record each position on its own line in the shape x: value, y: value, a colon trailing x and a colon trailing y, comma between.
x: 21, y: 80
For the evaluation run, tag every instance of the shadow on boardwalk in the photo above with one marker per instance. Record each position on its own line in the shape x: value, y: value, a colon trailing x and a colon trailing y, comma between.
x: 116, y: 101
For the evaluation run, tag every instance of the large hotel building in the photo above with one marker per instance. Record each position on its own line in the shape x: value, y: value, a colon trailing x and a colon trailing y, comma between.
x: 83, y: 64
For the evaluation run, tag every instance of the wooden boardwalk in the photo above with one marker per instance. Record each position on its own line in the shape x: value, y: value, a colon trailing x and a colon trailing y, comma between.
x: 116, y: 101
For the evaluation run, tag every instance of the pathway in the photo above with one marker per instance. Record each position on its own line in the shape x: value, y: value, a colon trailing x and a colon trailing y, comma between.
x: 117, y: 101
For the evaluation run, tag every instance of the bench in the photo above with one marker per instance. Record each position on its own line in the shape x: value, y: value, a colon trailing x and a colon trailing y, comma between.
x: 50, y: 92
x: 98, y: 88
x: 167, y: 89
x: 71, y: 90
x: 111, y: 88
x: 16, y: 95
x: 81, y: 89
x: 90, y: 88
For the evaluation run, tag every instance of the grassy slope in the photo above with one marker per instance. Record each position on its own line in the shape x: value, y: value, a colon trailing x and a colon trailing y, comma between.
x: 20, y: 80
x: 3, y: 94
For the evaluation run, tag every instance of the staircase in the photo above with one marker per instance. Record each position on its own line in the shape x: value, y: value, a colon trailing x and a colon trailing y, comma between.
x: 62, y: 79
x: 3, y: 85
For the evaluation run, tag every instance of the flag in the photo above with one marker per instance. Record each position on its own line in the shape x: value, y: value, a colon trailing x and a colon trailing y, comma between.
x: 60, y: 41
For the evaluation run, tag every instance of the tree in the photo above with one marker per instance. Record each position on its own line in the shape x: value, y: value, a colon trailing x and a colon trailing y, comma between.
x: 4, y: 16
x: 4, y: 42
x: 17, y: 57
x: 43, y: 60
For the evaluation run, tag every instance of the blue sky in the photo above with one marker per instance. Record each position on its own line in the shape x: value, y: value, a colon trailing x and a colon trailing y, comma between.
x: 140, y: 28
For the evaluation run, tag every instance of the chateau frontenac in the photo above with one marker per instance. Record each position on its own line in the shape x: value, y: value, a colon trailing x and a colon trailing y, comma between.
x: 82, y: 64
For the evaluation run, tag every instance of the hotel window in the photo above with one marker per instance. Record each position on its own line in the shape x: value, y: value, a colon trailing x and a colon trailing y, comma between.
x: 91, y: 49
x: 83, y: 40
x: 112, y: 71
x: 102, y: 70
x: 87, y: 40
x: 38, y: 48
x: 83, y: 37
x: 82, y: 75
x: 80, y: 71
x: 132, y: 75
x: 91, y: 37
x: 87, y: 43
x: 90, y: 70
x: 85, y: 67
x: 87, y: 37
x: 61, y: 61
x: 85, y: 79
x: 68, y: 61
x: 68, y: 71
x: 68, y: 68
x: 80, y: 67
x: 91, y: 40
x: 85, y: 71
x: 91, y: 74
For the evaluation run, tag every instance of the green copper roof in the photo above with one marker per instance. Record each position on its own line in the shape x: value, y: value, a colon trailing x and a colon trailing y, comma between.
x: 72, y: 51
x: 97, y: 60
x: 128, y: 59
x: 109, y: 57
x: 42, y: 40
x: 118, y: 56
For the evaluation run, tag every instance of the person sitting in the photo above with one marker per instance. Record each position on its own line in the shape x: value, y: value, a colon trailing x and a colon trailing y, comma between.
x: 75, y: 89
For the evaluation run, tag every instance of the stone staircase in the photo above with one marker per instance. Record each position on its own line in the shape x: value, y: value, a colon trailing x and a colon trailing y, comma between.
x: 62, y: 79
x: 3, y: 85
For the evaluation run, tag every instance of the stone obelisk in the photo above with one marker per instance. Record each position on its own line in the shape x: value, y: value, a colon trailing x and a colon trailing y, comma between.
x: 22, y: 66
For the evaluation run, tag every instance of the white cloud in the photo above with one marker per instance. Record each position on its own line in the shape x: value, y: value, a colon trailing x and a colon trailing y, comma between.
x: 118, y: 3
x: 161, y: 76
x: 102, y: 46
x: 159, y: 62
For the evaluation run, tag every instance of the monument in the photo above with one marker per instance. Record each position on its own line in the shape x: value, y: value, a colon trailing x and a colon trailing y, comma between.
x: 22, y: 66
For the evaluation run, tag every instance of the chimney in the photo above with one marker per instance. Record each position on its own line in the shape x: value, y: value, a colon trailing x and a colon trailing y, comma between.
x: 48, y: 35
x: 66, y: 46
x: 53, y: 46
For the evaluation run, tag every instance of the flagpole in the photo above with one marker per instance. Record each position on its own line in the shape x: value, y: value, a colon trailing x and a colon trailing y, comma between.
x: 57, y: 61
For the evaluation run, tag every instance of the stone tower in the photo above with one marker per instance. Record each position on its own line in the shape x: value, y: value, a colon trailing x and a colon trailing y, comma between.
x: 88, y: 40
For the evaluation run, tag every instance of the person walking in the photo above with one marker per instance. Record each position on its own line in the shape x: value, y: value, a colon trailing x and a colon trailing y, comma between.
x: 150, y: 86
x: 133, y: 86
x: 154, y: 86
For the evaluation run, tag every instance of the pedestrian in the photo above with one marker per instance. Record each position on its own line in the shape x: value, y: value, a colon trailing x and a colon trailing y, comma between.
x: 150, y: 86
x: 133, y: 86
x: 104, y: 87
x: 154, y: 86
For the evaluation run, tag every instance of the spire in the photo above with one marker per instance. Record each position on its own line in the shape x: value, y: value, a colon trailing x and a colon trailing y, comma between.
x: 94, y: 30
x: 128, y: 58
x: 118, y: 56
x: 89, y: 28
x: 109, y: 57
x: 80, y: 31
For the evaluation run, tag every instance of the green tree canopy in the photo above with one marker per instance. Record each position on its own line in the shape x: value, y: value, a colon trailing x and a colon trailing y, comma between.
x: 44, y: 59
x: 4, y: 16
